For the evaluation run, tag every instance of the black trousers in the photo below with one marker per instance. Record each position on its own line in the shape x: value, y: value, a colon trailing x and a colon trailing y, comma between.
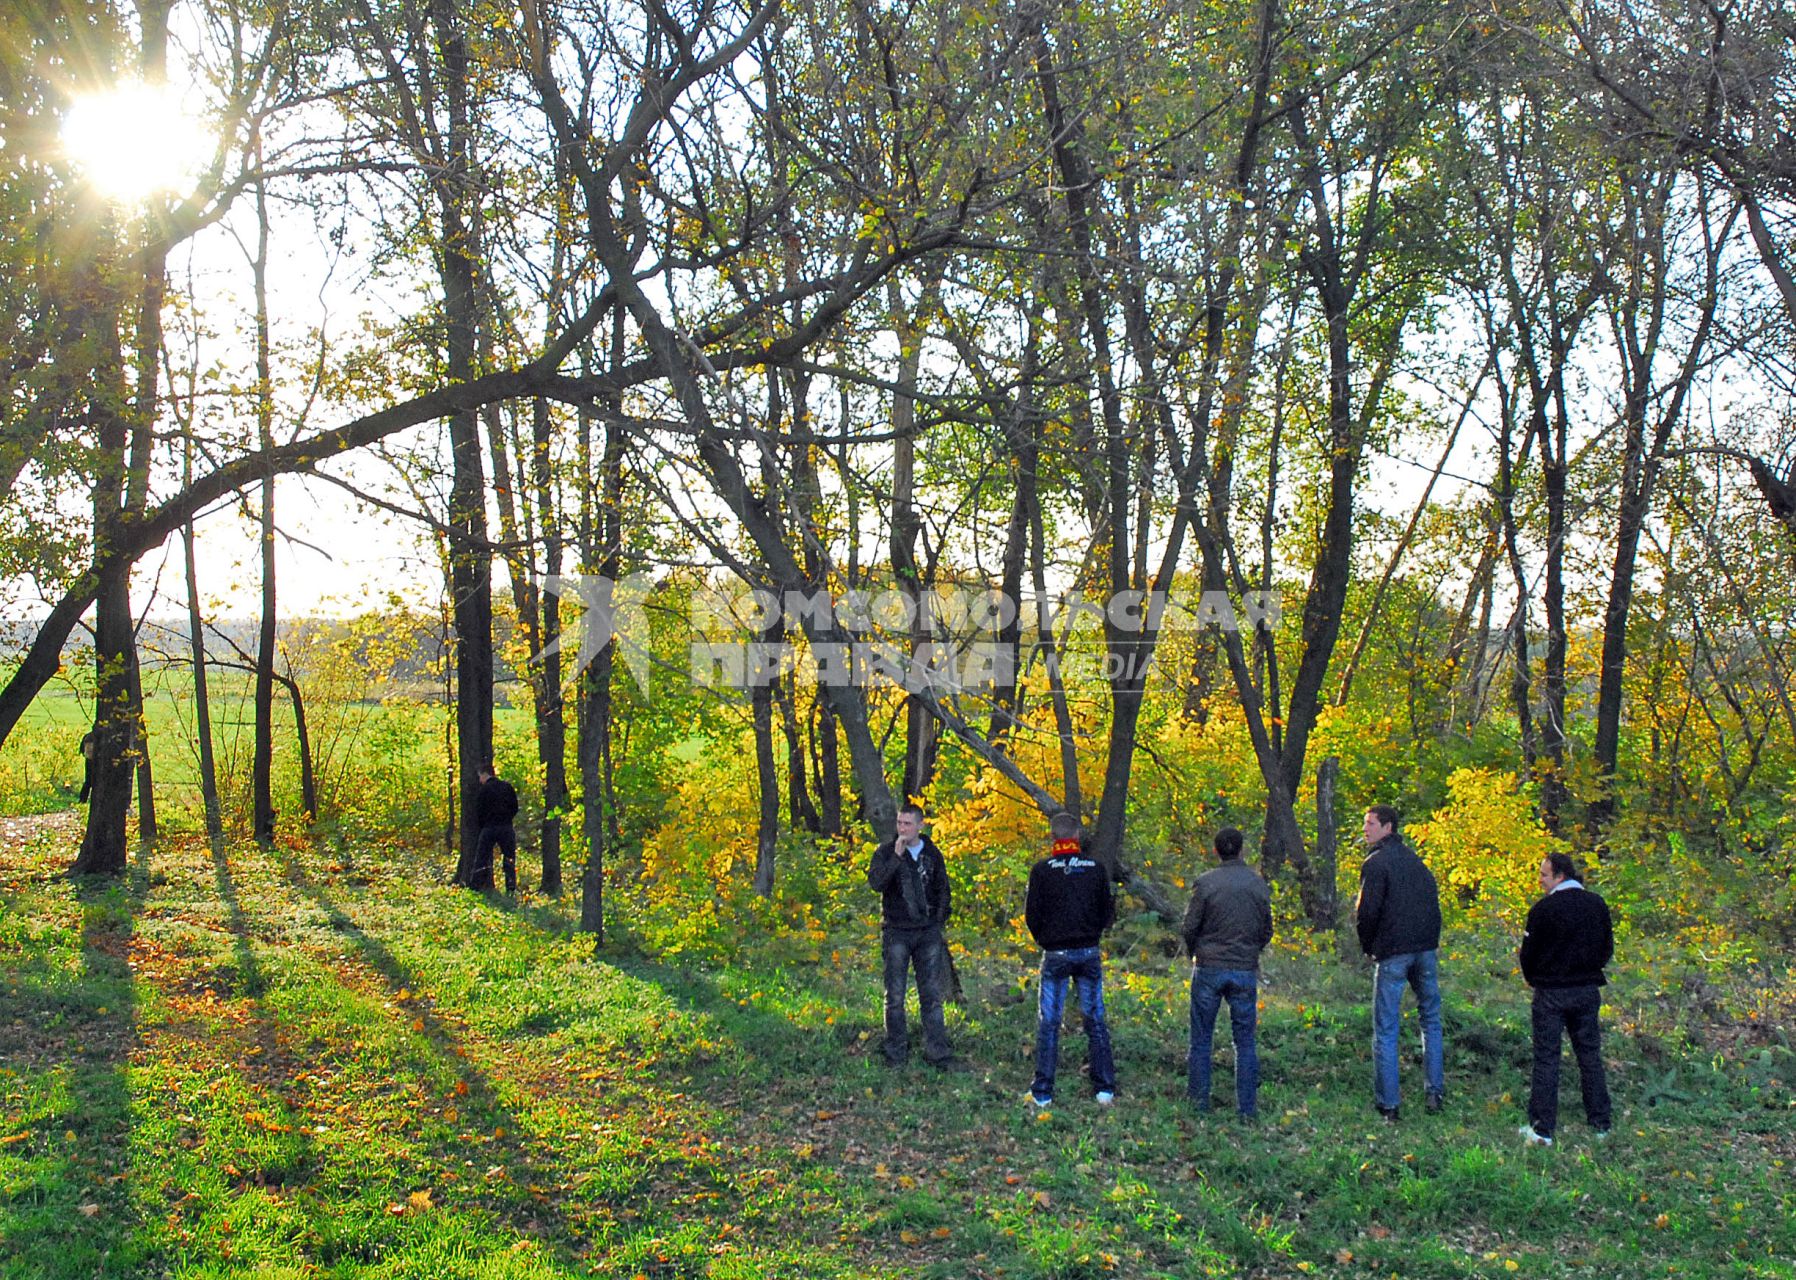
x: 926, y: 951
x: 506, y: 840
x: 1572, y: 1011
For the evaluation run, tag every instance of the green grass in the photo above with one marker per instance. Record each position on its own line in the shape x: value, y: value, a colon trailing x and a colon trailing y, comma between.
x: 324, y: 1063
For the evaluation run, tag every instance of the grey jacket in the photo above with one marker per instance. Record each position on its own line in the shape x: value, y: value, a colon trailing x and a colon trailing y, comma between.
x: 1229, y: 921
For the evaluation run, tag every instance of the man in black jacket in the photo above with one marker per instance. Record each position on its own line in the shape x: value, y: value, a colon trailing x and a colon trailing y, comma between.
x: 1399, y: 921
x: 1568, y: 941
x: 1227, y: 925
x: 1068, y: 907
x: 495, y: 806
x: 913, y: 878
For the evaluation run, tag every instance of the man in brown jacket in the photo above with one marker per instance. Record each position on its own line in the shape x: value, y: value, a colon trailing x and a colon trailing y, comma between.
x: 1227, y: 925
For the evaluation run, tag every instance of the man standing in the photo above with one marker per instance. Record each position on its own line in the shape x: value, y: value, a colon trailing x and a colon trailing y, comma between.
x: 495, y: 805
x: 1568, y: 941
x: 1069, y: 905
x: 911, y: 875
x: 1399, y: 920
x: 1227, y: 925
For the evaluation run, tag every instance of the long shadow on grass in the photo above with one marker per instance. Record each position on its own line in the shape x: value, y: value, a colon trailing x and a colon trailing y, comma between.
x: 521, y: 1165
x: 264, y: 1065
x: 69, y: 1212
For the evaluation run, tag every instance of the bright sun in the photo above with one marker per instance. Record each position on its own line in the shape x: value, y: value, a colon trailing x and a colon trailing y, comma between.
x: 134, y: 140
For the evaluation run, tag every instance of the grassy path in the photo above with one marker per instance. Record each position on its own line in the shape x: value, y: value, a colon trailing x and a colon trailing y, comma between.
x: 319, y: 1062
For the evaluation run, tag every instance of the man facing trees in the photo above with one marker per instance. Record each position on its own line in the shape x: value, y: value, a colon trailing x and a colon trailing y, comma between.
x: 1227, y: 925
x: 1068, y: 907
x: 1567, y: 943
x: 1398, y: 917
x: 495, y: 807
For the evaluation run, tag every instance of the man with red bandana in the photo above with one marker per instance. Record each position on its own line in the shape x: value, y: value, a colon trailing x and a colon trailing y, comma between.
x: 1069, y: 906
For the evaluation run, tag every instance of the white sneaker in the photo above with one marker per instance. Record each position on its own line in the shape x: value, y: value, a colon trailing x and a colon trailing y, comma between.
x: 1104, y: 1098
x: 1532, y: 1138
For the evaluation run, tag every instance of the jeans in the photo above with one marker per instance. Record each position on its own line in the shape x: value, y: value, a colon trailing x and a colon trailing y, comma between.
x: 1209, y: 988
x: 927, y: 951
x: 1572, y: 1010
x: 1420, y: 971
x: 506, y: 840
x: 1086, y: 968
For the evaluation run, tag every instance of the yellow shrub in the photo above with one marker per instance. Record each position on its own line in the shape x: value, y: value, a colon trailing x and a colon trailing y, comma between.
x: 1485, y: 844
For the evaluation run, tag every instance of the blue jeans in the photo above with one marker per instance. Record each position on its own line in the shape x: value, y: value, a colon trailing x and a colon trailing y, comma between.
x: 1420, y: 971
x: 1086, y: 968
x: 1209, y: 988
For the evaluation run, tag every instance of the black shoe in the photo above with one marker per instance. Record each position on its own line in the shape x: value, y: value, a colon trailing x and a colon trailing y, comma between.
x: 1390, y: 1114
x: 953, y: 1064
x: 1435, y: 1103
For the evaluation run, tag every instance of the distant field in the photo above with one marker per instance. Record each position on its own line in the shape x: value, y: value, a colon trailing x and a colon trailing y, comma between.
x: 353, y: 741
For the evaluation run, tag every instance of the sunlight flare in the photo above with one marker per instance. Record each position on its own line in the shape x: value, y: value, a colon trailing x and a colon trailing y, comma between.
x: 134, y: 140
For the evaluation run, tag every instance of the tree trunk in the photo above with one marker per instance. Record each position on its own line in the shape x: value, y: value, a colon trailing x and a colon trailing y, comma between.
x: 1322, y: 861
x: 262, y: 768
x: 103, y: 850
x: 308, y: 782
x: 94, y: 321
x: 762, y: 674
x: 921, y: 731
x: 470, y: 572
x: 202, y: 701
x: 1020, y: 432
x: 601, y: 552
x: 551, y: 711
x: 802, y: 812
x: 829, y: 789
x: 147, y: 832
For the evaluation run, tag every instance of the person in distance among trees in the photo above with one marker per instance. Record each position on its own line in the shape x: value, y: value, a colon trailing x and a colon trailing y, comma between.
x: 1227, y: 925
x: 1068, y: 907
x: 495, y: 807
x: 1568, y: 941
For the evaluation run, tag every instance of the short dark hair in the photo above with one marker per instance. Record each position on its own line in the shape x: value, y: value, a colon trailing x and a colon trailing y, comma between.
x: 912, y: 807
x: 1228, y: 843
x: 1563, y: 866
x: 1387, y: 816
x: 486, y: 767
x: 1064, y: 825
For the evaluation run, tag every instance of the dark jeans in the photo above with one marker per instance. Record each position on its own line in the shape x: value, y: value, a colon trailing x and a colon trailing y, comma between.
x: 1209, y: 988
x: 927, y: 951
x: 1572, y: 1010
x: 507, y: 841
x: 1086, y: 968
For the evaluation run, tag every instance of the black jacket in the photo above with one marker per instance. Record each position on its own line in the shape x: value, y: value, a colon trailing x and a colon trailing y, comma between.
x: 1568, y: 940
x: 1229, y: 921
x: 495, y: 804
x: 1399, y: 907
x: 916, y: 892
x: 1070, y: 902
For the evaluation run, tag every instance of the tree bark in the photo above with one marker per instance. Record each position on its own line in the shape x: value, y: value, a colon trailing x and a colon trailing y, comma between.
x: 262, y: 768
x: 470, y: 572
x: 202, y: 700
